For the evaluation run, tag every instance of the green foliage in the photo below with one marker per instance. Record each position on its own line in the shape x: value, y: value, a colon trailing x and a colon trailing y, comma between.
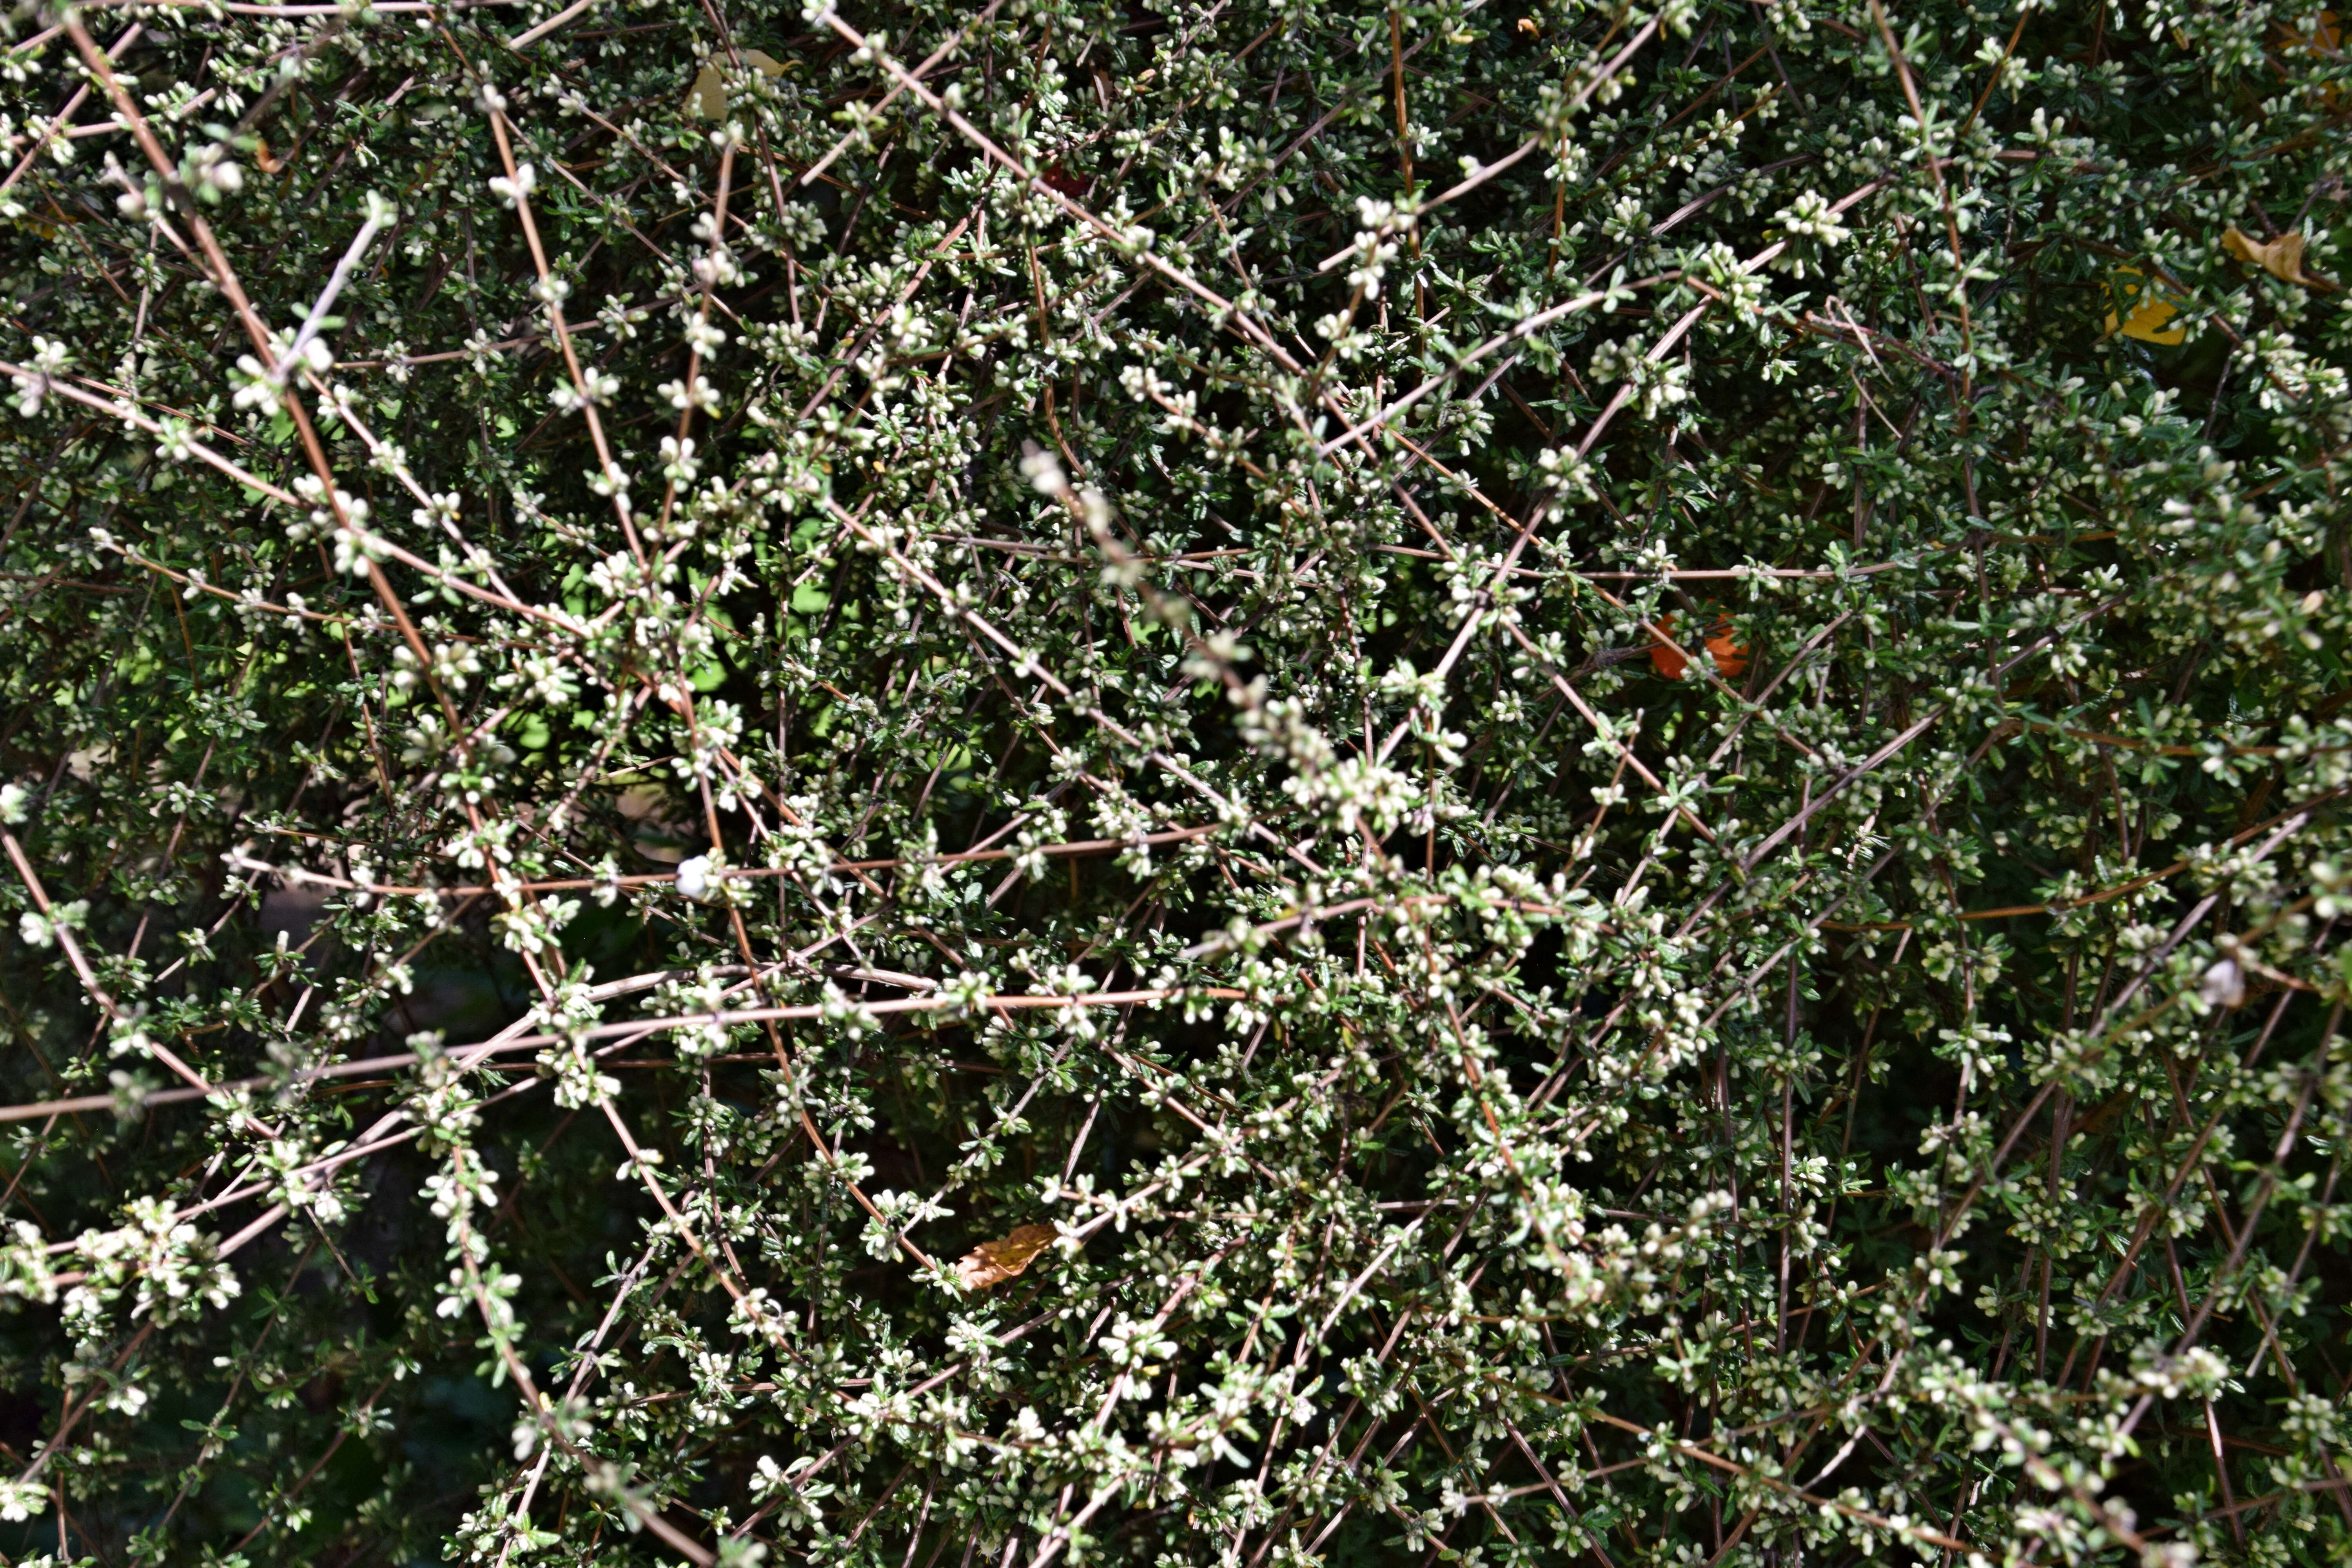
x: 1568, y: 729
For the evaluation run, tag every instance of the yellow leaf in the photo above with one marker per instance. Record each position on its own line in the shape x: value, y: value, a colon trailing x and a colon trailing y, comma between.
x: 707, y: 96
x: 2280, y: 258
x: 2143, y: 309
x: 993, y: 1262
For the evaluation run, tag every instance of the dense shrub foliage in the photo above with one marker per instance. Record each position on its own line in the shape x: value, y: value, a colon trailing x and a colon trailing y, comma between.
x: 1175, y: 780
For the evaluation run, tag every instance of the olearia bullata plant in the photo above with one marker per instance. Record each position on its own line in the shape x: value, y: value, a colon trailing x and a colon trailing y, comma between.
x: 1243, y: 783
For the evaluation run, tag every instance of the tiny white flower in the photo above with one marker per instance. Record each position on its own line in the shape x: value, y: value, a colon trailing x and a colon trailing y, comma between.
x: 512, y: 191
x: 2224, y: 983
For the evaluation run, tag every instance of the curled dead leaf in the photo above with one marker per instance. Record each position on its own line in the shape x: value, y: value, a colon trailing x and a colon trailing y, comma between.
x: 2280, y: 258
x: 993, y: 1262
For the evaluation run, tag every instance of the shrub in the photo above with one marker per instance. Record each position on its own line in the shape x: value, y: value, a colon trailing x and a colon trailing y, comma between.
x: 1266, y: 781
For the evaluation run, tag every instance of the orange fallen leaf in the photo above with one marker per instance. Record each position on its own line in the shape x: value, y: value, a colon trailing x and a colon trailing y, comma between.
x: 994, y: 1262
x: 1730, y: 658
x: 2142, y: 308
x: 2325, y: 40
x: 2322, y: 41
x: 2280, y: 258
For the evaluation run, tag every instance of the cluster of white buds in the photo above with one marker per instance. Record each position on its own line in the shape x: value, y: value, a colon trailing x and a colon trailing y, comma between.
x: 1375, y: 244
x: 515, y: 189
x: 33, y: 383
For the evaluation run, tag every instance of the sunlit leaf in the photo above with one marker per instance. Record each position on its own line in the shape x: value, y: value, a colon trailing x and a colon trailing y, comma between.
x: 993, y: 1262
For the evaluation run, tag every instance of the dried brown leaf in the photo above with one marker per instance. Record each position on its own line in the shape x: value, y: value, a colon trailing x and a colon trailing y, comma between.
x: 2280, y: 258
x: 993, y: 1262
